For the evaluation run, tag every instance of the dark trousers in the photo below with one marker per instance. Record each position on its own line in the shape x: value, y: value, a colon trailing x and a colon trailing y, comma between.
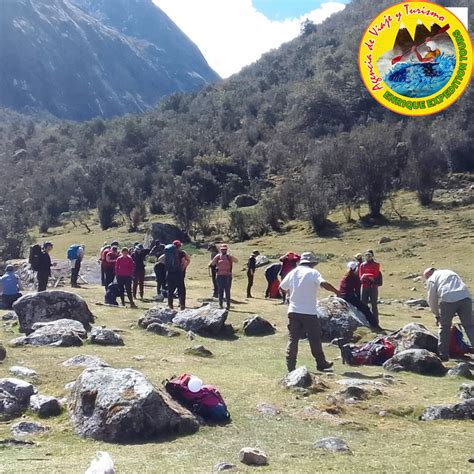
x: 160, y: 276
x: 109, y: 276
x: 214, y: 282
x: 8, y: 300
x: 300, y: 326
x: 42, y: 278
x: 250, y: 276
x: 75, y: 272
x: 125, y: 284
x: 102, y: 275
x: 354, y: 300
x: 371, y: 295
x: 138, y: 282
x: 224, y: 283
x: 175, y: 281
x: 269, y: 285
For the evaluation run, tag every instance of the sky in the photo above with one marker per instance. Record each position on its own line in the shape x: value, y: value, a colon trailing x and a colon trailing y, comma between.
x: 234, y: 33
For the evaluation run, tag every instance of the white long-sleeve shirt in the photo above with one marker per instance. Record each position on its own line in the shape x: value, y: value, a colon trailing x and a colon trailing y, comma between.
x: 445, y: 286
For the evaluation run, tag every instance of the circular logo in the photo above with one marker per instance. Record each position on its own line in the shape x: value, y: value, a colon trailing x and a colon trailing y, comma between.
x: 416, y: 58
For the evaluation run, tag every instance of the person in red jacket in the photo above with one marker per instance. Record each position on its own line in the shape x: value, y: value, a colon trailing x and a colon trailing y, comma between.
x: 289, y: 262
x: 349, y: 290
x: 124, y: 271
x: 370, y: 278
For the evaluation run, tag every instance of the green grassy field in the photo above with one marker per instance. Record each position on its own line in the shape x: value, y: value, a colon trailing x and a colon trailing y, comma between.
x: 248, y: 370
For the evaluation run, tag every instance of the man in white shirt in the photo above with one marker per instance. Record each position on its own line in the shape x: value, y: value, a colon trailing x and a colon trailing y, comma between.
x: 447, y: 296
x: 302, y: 285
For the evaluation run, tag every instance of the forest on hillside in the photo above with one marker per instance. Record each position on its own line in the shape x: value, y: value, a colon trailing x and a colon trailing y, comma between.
x: 297, y: 130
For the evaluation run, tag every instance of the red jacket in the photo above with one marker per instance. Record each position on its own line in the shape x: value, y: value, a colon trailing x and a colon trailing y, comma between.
x: 370, y: 274
x: 124, y: 266
x: 350, y: 285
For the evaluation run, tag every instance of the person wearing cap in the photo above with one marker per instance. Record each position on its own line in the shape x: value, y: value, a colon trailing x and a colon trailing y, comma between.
x: 223, y: 263
x: 110, y: 258
x: 11, y: 287
x: 176, y: 273
x: 302, y: 285
x: 124, y: 271
x: 251, y: 267
x: 44, y: 266
x: 370, y: 278
x: 139, y: 256
x: 76, y: 265
x: 358, y: 259
x: 447, y: 296
x: 101, y: 260
x: 349, y: 290
x: 213, y: 250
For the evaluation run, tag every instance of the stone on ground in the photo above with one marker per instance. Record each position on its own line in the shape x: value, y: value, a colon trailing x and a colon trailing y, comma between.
x: 298, y: 378
x: 417, y: 302
x: 466, y: 391
x: 3, y: 353
x: 19, y: 371
x: 267, y: 409
x: 49, y: 306
x: 206, y: 321
x: 118, y: 405
x: 14, y: 397
x: 157, y: 315
x: 460, y: 411
x: 162, y: 330
x: 224, y: 466
x: 10, y: 316
x: 105, y: 337
x: 258, y: 326
x: 253, y: 457
x: 85, y: 360
x: 199, y: 351
x: 333, y: 444
x: 358, y: 392
x: 414, y: 336
x: 45, y: 406
x: 26, y: 428
x: 419, y: 361
x: 461, y: 370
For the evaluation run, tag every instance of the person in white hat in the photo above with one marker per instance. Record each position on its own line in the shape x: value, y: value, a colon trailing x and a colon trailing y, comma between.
x: 447, y: 296
x: 302, y: 285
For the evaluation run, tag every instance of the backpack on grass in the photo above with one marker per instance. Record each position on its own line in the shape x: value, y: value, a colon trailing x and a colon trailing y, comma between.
x: 207, y: 402
x: 73, y: 252
x: 375, y: 352
x: 34, y: 258
x: 457, y: 345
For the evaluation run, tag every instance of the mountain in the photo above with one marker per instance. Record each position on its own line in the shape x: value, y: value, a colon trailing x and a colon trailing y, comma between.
x: 79, y: 59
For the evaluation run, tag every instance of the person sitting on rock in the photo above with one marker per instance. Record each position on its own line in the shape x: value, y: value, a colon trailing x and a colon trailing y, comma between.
x: 447, y: 296
x: 11, y: 287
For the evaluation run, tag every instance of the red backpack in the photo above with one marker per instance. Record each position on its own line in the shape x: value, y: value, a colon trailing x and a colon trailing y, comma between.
x: 207, y: 402
x: 457, y: 346
x: 373, y: 353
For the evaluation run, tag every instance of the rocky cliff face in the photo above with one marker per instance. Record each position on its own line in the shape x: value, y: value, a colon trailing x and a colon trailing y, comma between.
x: 79, y: 59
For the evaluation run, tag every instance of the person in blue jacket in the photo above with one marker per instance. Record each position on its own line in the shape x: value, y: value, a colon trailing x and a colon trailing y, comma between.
x: 11, y: 287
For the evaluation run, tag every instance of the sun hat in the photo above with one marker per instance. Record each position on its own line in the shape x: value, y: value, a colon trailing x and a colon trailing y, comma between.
x: 427, y: 272
x: 352, y: 265
x: 308, y: 257
x: 10, y: 268
x: 357, y: 256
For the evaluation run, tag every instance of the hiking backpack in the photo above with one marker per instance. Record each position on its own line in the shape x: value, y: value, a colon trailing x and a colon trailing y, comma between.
x: 34, y: 258
x: 457, y: 346
x: 207, y: 402
x: 171, y: 258
x: 73, y: 252
x: 375, y: 352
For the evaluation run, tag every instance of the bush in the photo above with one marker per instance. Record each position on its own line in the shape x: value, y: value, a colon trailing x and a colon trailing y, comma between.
x: 106, y: 210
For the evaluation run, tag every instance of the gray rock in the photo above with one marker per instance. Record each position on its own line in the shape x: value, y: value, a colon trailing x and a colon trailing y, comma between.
x: 69, y: 386
x: 10, y: 316
x: 385, y: 240
x: 414, y: 336
x: 258, y: 326
x: 48, y: 306
x: 267, y: 409
x: 339, y: 319
x: 22, y: 371
x: 14, y: 397
x: 118, y: 405
x: 418, y: 302
x: 224, y: 466
x: 419, y: 361
x: 85, y: 360
x: 333, y: 444
x: 45, y: 406
x: 157, y: 315
x: 466, y: 391
x: 26, y: 428
x: 162, y: 330
x: 3, y: 353
x: 199, y: 351
x: 461, y: 370
x: 245, y: 200
x: 299, y: 377
x: 357, y: 392
x: 63, y: 332
x: 105, y: 337
x: 206, y: 321
x: 253, y: 457
x: 261, y: 261
x: 460, y: 411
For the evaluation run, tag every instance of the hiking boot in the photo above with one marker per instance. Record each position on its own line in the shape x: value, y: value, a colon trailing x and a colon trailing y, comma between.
x: 221, y: 306
x: 182, y: 307
x: 325, y: 366
x: 133, y: 305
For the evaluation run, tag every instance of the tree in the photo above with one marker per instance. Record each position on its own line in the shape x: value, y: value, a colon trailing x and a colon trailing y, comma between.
x: 307, y: 27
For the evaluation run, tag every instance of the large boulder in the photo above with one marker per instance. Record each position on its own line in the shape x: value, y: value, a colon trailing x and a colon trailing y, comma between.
x: 419, y: 361
x: 49, y: 306
x: 339, y: 319
x: 206, y: 321
x: 258, y: 326
x: 165, y: 233
x: 466, y: 391
x: 14, y: 397
x: 459, y: 411
x: 105, y: 337
x: 60, y: 333
x: 157, y: 315
x: 414, y: 336
x: 119, y: 405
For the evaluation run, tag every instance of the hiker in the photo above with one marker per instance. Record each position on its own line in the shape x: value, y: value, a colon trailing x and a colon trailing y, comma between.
x: 176, y: 262
x: 289, y: 262
x: 213, y: 250
x: 251, y: 267
x: 370, y: 278
x: 44, y: 266
x: 447, y: 296
x: 139, y: 256
x: 113, y: 292
x: 110, y: 257
x: 273, y: 284
x: 75, y: 254
x: 160, y: 270
x: 302, y: 285
x: 358, y: 259
x: 430, y: 56
x: 124, y: 271
x: 102, y: 262
x: 223, y: 263
x: 349, y: 290
x: 11, y: 287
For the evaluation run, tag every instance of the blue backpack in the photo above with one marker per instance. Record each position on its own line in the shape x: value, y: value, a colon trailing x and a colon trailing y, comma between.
x: 171, y: 258
x: 73, y: 252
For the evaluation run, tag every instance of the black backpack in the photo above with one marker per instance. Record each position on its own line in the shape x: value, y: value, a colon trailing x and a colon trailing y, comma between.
x: 34, y: 258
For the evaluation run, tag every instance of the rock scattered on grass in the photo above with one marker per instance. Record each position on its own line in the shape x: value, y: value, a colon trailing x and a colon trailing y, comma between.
x: 461, y: 370
x: 466, y: 391
x: 460, y: 411
x: 105, y: 337
x: 414, y: 336
x: 333, y: 444
x: 419, y: 361
x: 162, y: 330
x: 253, y: 457
x: 45, y: 406
x: 19, y: 371
x: 3, y: 353
x: 14, y: 397
x: 258, y: 326
x: 26, y: 428
x: 199, y: 351
x: 267, y: 409
x: 224, y: 466
x: 85, y: 360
